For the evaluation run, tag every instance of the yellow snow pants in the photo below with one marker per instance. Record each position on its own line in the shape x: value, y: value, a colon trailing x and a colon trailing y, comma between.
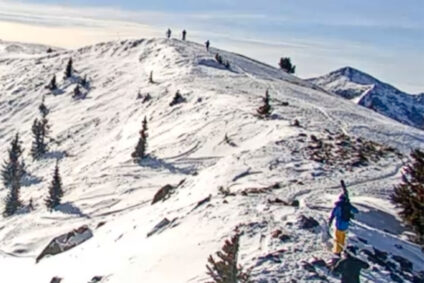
x: 339, y: 241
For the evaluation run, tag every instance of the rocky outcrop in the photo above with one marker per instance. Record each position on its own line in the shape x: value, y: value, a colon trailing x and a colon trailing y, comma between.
x: 66, y: 242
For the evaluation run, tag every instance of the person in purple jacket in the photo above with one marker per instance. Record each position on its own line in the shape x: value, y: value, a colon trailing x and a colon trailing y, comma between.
x: 343, y: 212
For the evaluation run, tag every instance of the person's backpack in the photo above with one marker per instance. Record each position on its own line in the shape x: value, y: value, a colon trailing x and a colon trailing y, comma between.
x: 346, y: 214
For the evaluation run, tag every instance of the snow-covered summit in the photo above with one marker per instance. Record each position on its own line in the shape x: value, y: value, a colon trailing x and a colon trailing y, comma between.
x: 379, y: 96
x: 229, y: 169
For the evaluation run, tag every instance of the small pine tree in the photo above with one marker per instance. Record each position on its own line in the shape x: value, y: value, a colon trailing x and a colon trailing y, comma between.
x: 12, y: 174
x: 286, y: 65
x: 84, y: 81
x: 52, y: 85
x: 40, y: 130
x: 55, y: 190
x: 265, y: 110
x: 69, y: 69
x: 409, y: 195
x: 151, y: 77
x: 77, y: 92
x: 226, y: 269
x: 140, y: 150
x: 178, y: 98
x: 219, y: 59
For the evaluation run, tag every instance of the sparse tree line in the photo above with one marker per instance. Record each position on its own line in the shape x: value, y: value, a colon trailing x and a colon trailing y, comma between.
x: 13, y: 169
x: 82, y: 86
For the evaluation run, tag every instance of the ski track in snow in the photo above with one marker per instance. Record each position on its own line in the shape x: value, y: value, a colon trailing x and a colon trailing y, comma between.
x: 94, y: 138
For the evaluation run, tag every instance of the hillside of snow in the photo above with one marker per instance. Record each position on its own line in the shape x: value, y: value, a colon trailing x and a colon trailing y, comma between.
x: 10, y: 49
x: 245, y: 182
x: 369, y: 92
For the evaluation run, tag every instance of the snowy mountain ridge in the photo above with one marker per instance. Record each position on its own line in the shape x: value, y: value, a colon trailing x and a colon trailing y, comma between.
x: 369, y: 92
x: 229, y: 169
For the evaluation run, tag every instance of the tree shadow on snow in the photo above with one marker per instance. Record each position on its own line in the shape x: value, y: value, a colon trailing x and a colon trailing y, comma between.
x: 156, y: 163
x: 69, y: 208
x: 58, y: 155
x: 29, y: 180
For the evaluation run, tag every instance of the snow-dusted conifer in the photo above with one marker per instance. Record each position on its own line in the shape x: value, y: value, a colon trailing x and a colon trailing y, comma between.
x: 140, y: 150
x: 409, y: 195
x: 265, y: 109
x: 12, y: 174
x: 286, y: 65
x: 55, y: 190
x: 69, y: 69
x: 40, y: 131
x: 226, y: 269
x: 52, y: 85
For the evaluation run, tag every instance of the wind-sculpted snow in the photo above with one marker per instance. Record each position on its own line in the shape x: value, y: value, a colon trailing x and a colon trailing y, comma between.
x: 374, y: 94
x: 235, y: 165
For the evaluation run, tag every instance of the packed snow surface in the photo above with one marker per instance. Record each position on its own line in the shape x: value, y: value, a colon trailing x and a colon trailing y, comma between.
x: 93, y: 139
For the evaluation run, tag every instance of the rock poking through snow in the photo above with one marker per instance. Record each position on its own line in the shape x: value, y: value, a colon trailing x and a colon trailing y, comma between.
x: 66, y: 242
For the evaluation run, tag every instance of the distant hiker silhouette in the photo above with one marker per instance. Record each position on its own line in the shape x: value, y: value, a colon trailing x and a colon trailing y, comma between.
x: 207, y: 43
x: 184, y: 35
x: 350, y: 267
x: 168, y: 33
x: 343, y: 211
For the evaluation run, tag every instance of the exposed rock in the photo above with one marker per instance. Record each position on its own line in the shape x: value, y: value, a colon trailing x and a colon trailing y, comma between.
x: 56, y: 280
x: 295, y: 203
x: 276, y: 233
x: 159, y: 227
x: 307, y: 222
x: 405, y: 264
x: 396, y: 278
x: 96, y: 279
x: 308, y: 266
x: 163, y: 194
x: 380, y: 254
x: 203, y: 201
x: 100, y: 224
x: 66, y: 242
x: 285, y: 238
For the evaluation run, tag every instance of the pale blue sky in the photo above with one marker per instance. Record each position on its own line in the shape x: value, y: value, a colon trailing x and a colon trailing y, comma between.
x: 382, y: 37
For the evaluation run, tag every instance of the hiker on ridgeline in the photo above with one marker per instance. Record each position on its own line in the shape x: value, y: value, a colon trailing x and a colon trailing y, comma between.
x: 207, y: 43
x: 350, y: 267
x: 343, y: 212
x: 168, y: 33
x: 184, y: 35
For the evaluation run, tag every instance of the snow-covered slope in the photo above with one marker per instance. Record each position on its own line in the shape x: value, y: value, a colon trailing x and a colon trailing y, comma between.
x: 374, y: 94
x: 10, y: 49
x: 267, y: 159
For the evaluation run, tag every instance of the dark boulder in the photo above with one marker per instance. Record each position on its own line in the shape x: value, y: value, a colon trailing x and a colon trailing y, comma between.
x: 405, y: 264
x: 307, y: 222
x: 163, y: 194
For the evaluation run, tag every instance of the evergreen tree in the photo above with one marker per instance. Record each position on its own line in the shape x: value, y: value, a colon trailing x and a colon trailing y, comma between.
x: 151, y: 77
x: 84, y: 82
x: 55, y: 190
x: 77, y: 92
x: 69, y: 69
x: 52, y: 85
x: 140, y: 150
x: 265, y: 110
x: 40, y: 130
x: 226, y: 269
x: 12, y: 174
x: 286, y: 65
x: 178, y: 98
x: 409, y: 195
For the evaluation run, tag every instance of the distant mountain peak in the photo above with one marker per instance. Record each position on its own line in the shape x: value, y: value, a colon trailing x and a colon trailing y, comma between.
x: 369, y: 92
